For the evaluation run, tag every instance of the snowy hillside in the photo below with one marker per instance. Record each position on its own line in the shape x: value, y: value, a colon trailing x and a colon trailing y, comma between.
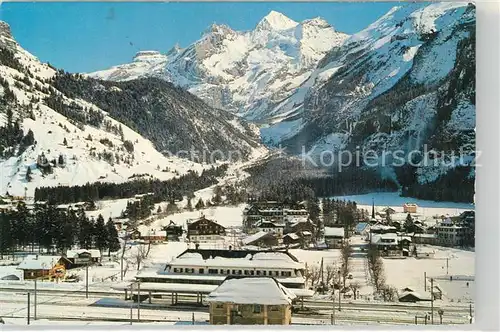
x: 244, y: 72
x: 74, y: 141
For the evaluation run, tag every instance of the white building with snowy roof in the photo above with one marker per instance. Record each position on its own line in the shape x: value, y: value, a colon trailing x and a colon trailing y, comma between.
x: 268, y: 302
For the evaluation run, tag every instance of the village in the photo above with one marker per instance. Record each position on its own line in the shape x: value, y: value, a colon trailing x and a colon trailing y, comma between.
x: 261, y: 262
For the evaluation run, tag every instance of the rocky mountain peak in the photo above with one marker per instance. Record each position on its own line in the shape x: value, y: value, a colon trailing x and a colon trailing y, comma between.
x: 276, y: 21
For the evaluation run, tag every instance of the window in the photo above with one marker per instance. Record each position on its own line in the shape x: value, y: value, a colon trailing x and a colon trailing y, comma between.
x: 264, y: 273
x: 246, y: 272
x: 274, y: 308
x: 252, y: 273
x: 258, y: 273
x: 176, y: 270
x: 180, y: 270
x: 256, y: 308
x: 239, y: 272
x: 228, y: 271
x: 213, y: 271
x: 201, y: 271
x: 219, y: 305
x: 234, y: 271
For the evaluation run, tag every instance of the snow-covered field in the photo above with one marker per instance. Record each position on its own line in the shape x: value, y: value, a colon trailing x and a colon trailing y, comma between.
x: 393, y: 200
x: 409, y: 272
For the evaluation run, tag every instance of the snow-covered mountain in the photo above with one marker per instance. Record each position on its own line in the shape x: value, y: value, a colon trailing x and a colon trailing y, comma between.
x: 406, y: 81
x: 90, y: 131
x: 248, y: 72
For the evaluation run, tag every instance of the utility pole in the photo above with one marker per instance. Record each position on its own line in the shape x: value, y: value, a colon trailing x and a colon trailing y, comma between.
x: 28, y: 316
x: 34, y: 308
x: 470, y: 313
x: 87, y: 281
x: 131, y: 302
x: 333, y: 307
x: 425, y: 281
x: 339, y: 298
x: 447, y: 265
x: 138, y: 301
x: 432, y: 301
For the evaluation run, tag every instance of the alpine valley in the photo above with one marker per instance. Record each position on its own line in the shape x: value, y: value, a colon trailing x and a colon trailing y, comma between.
x: 404, y: 83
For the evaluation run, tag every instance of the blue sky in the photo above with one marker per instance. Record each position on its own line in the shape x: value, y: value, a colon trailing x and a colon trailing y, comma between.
x: 89, y: 36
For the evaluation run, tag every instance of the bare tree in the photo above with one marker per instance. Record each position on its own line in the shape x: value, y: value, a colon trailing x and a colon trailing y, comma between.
x: 330, y: 274
x: 140, y: 255
x: 313, y: 276
x: 389, y: 293
x: 346, y: 252
x: 355, y: 286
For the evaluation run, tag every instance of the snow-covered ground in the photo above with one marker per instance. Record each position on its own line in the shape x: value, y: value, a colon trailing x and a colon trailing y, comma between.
x: 393, y: 200
x: 409, y: 272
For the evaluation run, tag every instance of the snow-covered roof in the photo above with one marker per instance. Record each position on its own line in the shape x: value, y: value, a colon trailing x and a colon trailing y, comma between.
x: 306, y: 233
x: 292, y: 236
x: 35, y: 262
x: 393, y: 237
x: 263, y: 291
x: 361, y: 226
x: 254, y: 237
x: 416, y: 295
x: 382, y: 227
x: 334, y: 231
x: 259, y: 260
x: 266, y: 223
x: 94, y: 253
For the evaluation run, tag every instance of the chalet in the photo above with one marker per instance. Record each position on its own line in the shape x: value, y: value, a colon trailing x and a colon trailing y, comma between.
x: 269, y: 226
x: 261, y: 239
x: 268, y: 302
x: 410, y: 208
x: 380, y: 229
x: 81, y: 257
x: 291, y: 238
x: 299, y: 225
x: 425, y: 239
x: 411, y: 296
x: 38, y: 266
x: 334, y: 237
x: 204, y: 230
x: 391, y: 244
x: 153, y: 236
x: 173, y: 231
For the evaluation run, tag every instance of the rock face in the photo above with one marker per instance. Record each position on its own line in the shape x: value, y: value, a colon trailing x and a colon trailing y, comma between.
x: 247, y: 73
x: 406, y: 83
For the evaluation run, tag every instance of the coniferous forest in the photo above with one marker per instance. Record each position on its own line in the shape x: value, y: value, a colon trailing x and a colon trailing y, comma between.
x: 54, y: 230
x: 173, y: 189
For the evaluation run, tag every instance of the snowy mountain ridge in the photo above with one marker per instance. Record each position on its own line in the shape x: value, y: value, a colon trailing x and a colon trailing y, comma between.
x: 243, y: 72
x: 47, y: 118
x: 405, y: 83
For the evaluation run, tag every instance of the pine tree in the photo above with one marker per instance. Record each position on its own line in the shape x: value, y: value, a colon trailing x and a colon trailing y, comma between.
x: 408, y: 225
x: 199, y: 205
x: 28, y: 174
x: 100, y: 234
x: 113, y: 243
x: 60, y: 160
x: 189, y: 206
x: 65, y: 142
